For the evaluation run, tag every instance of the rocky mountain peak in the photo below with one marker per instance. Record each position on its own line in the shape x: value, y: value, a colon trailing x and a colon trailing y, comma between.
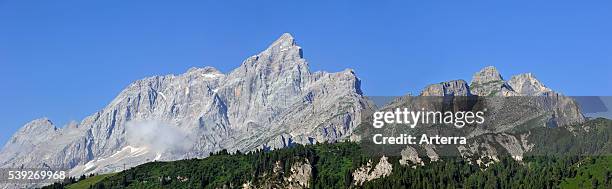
x: 35, y: 132
x: 486, y: 75
x: 284, y: 47
x: 280, y: 64
x: 489, y: 82
x: 527, y: 84
x: 38, y: 125
x: 285, y: 40
x: 281, y: 54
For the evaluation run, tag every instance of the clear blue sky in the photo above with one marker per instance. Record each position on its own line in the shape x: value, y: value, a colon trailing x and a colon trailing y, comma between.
x: 67, y: 59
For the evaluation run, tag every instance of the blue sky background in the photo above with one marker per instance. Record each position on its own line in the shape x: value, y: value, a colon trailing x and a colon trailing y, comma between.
x: 67, y: 59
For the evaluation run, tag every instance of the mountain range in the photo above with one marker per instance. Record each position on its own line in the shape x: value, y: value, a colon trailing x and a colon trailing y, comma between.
x: 272, y: 100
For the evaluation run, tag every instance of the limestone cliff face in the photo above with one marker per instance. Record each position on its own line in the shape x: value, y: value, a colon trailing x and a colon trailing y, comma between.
x: 32, y: 134
x: 489, y: 82
x: 270, y: 101
x: 449, y: 88
x: 368, y: 173
x: 527, y: 84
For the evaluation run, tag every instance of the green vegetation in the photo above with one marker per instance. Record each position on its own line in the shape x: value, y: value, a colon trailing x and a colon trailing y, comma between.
x: 86, y: 183
x: 591, y: 138
x: 591, y: 173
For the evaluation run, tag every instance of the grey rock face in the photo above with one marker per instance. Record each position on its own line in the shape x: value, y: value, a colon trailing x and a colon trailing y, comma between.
x: 23, y: 140
x: 489, y: 82
x: 486, y: 75
x: 527, y: 84
x: 367, y: 173
x: 43, y: 128
x: 449, y: 88
x: 301, y: 174
x: 271, y: 101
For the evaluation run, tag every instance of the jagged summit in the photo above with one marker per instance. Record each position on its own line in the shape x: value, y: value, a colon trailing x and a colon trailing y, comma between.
x: 284, y: 40
x: 282, y: 51
x: 283, y: 58
x: 486, y: 75
x: 489, y: 82
x: 528, y: 84
x: 32, y: 134
x: 39, y: 124
x: 448, y: 88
